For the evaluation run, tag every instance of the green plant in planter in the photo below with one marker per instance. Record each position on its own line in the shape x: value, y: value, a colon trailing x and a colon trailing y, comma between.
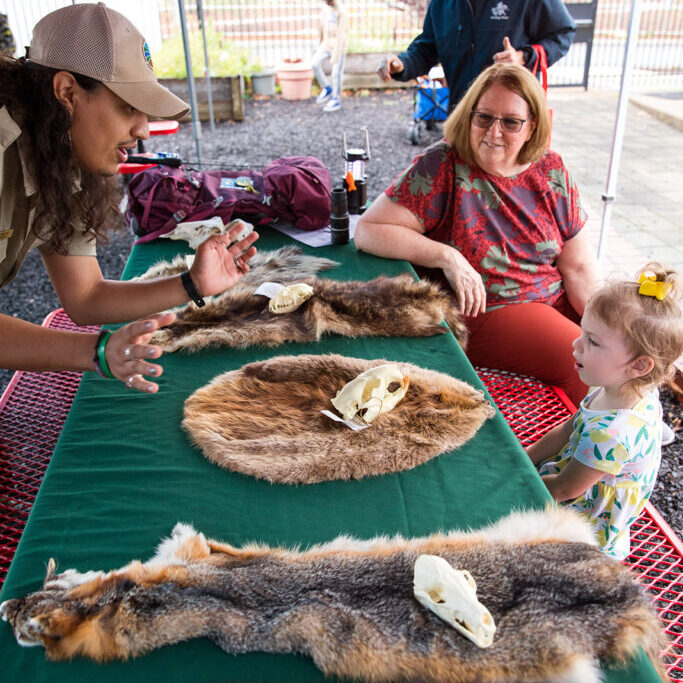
x: 225, y: 57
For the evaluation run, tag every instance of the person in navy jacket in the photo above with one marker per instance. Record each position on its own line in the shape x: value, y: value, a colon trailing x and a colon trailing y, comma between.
x: 466, y: 36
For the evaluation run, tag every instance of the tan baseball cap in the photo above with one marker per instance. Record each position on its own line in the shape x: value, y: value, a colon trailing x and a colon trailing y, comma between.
x: 95, y: 41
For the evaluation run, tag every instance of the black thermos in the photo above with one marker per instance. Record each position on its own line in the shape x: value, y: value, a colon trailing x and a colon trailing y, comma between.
x: 339, y: 218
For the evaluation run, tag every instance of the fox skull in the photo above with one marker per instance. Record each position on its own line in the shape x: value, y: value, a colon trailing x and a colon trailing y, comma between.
x: 290, y: 298
x: 377, y: 390
x: 452, y: 595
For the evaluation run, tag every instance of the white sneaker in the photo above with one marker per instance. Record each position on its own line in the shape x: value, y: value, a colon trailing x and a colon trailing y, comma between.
x: 332, y: 105
x: 668, y: 435
x: 325, y: 95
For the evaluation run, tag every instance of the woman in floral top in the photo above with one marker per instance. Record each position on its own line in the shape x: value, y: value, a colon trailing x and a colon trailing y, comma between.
x: 603, y: 461
x: 497, y: 217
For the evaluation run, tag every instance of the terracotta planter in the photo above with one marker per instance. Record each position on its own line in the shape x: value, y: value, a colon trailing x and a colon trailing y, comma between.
x: 295, y: 79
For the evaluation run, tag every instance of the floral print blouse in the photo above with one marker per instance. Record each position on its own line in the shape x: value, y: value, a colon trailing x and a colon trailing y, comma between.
x: 511, y: 230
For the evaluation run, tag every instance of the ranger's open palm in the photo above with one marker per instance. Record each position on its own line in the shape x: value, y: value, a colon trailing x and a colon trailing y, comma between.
x: 218, y: 265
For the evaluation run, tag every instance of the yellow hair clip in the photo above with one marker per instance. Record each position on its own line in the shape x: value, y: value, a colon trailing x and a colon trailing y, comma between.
x: 650, y: 287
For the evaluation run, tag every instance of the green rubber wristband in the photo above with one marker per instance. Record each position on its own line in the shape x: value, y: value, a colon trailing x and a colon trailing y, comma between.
x: 100, y: 359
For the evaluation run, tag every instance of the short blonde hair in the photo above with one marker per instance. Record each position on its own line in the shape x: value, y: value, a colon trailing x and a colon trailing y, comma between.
x: 517, y: 79
x: 648, y: 326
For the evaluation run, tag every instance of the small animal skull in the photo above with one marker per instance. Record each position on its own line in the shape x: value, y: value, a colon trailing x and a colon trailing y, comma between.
x: 289, y: 298
x: 371, y: 393
x: 452, y: 595
x: 196, y: 232
x: 245, y: 231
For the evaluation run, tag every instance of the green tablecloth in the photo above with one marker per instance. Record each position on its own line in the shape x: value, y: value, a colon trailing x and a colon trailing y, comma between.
x: 124, y: 473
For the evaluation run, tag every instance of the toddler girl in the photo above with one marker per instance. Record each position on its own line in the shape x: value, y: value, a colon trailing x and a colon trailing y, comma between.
x: 603, y: 461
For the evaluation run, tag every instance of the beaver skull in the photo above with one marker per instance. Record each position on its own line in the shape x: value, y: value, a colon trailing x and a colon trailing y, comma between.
x: 289, y: 298
x: 377, y: 390
x: 452, y: 595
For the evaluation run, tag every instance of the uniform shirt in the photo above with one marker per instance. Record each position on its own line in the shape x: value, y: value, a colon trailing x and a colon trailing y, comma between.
x: 18, y: 195
x: 625, y: 445
x: 464, y: 35
x: 511, y: 230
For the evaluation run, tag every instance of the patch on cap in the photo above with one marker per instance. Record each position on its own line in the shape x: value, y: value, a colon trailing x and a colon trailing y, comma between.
x: 147, y: 55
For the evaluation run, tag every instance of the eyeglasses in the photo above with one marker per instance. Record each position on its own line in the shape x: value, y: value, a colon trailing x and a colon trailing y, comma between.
x: 507, y: 123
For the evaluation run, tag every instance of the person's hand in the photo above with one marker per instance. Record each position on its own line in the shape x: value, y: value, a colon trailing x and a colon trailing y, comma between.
x: 128, y: 349
x: 466, y: 283
x: 391, y: 64
x: 218, y: 266
x: 509, y: 54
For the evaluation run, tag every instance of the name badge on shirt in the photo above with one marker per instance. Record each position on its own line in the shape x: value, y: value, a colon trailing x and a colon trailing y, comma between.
x: 6, y: 234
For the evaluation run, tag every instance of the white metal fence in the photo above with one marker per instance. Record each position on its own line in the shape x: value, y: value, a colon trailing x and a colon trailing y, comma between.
x: 273, y: 29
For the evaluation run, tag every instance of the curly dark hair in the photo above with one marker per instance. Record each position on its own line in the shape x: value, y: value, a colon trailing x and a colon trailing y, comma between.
x: 26, y: 91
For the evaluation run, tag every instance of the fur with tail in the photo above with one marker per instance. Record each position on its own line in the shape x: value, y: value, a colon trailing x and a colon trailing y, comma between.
x: 560, y: 605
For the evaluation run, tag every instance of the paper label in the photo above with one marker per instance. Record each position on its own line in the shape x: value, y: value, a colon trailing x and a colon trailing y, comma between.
x: 270, y: 289
x: 357, y: 425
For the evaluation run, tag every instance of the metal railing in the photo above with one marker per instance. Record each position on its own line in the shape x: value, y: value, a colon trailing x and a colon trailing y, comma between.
x: 270, y: 30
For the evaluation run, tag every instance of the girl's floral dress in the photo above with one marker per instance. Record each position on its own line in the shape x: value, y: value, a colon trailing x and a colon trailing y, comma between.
x: 626, y: 446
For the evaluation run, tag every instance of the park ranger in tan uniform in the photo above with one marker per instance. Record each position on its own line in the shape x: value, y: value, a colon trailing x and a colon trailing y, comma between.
x: 68, y: 112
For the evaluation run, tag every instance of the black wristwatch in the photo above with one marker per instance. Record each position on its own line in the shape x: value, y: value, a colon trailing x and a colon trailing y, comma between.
x: 191, y: 289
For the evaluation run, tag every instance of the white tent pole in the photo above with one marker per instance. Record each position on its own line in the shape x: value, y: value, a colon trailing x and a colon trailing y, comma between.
x: 619, y: 125
x: 196, y: 125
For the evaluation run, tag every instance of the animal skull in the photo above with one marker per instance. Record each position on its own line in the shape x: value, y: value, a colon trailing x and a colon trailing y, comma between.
x: 245, y: 230
x: 196, y: 232
x: 289, y: 298
x: 452, y: 595
x: 369, y: 395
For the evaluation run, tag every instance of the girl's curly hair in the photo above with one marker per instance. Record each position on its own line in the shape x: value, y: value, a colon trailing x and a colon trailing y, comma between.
x: 649, y: 327
x: 26, y: 91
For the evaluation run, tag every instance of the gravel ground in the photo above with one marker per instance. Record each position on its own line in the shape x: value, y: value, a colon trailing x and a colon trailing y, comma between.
x: 273, y: 128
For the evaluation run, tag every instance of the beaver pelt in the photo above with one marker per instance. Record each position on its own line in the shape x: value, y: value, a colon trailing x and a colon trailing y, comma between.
x: 560, y: 605
x: 264, y: 420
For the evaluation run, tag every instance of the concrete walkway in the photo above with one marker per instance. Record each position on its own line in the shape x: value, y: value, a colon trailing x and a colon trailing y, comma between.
x: 647, y: 215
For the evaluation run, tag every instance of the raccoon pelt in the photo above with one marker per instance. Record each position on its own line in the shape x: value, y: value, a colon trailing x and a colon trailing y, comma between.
x: 264, y: 420
x: 559, y: 604
x: 287, y: 264
x: 388, y: 307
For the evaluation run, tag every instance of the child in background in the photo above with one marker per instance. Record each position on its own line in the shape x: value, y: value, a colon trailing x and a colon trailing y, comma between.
x: 603, y: 461
x: 334, y: 34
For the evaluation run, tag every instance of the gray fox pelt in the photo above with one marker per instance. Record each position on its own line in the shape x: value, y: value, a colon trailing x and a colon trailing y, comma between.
x: 385, y: 307
x: 288, y: 440
x: 559, y: 604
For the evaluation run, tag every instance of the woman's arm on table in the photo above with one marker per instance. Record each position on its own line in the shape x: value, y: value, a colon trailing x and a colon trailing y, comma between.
x: 552, y: 442
x: 390, y: 230
x: 37, y: 349
x: 578, y: 266
x: 90, y: 299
